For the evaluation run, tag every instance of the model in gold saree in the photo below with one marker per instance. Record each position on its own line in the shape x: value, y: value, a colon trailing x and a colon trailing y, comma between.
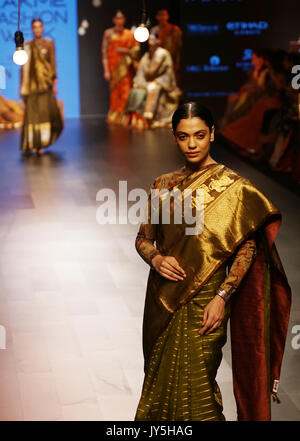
x: 42, y: 120
x: 192, y: 274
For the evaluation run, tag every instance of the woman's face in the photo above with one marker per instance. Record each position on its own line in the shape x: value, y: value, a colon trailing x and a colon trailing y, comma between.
x: 153, y: 41
x: 37, y: 29
x: 193, y: 138
x: 162, y: 16
x: 119, y: 20
x: 257, y: 62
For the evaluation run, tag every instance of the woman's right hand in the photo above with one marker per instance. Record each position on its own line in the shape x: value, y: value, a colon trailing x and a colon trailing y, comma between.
x: 168, y: 267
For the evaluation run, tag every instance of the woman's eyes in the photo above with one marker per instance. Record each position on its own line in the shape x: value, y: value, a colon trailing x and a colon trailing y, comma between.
x: 184, y: 137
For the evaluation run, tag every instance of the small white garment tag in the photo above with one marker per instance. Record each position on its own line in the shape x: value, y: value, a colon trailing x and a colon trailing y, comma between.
x: 275, y: 386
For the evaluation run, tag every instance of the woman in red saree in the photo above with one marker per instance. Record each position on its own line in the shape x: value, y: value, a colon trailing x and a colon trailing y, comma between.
x: 119, y: 51
x: 197, y: 281
x: 241, y: 127
x: 170, y: 36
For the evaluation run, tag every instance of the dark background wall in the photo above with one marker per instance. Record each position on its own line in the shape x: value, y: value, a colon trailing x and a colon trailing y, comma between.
x: 211, y: 29
x: 230, y: 30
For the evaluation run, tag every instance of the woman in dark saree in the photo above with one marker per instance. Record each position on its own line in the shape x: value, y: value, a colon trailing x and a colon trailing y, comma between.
x: 42, y: 120
x: 196, y: 282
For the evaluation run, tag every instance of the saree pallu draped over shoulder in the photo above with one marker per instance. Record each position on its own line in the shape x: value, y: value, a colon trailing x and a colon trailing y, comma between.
x: 234, y: 209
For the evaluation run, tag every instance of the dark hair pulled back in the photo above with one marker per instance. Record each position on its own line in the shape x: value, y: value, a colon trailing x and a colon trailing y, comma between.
x: 190, y: 110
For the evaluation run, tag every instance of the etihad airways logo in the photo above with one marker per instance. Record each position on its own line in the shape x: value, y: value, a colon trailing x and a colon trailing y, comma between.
x: 247, y: 27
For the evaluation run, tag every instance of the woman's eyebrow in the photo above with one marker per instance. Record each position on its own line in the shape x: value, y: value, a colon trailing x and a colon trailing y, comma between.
x: 180, y: 132
x: 200, y: 131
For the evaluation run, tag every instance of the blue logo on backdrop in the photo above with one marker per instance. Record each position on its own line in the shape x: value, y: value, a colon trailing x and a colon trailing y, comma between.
x: 247, y: 28
x: 247, y: 56
x: 60, y: 22
x: 246, y: 61
x: 213, y: 66
x: 203, y: 28
x: 215, y: 60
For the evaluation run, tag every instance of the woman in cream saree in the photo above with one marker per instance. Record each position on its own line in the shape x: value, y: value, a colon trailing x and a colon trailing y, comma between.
x: 154, y: 96
x: 198, y: 281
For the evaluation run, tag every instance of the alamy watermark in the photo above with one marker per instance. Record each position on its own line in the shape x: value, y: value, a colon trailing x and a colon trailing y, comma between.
x: 188, y: 207
x: 2, y: 77
x: 295, y: 342
x: 2, y: 337
x: 296, y: 78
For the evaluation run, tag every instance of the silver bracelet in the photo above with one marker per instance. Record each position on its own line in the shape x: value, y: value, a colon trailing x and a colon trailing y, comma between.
x: 224, y: 294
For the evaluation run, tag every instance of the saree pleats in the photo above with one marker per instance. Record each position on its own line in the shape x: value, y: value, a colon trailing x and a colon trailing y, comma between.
x: 180, y: 381
x: 42, y: 122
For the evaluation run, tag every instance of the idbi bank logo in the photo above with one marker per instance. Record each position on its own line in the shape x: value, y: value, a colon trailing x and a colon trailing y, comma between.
x: 215, y: 65
x: 247, y: 27
x: 296, y: 78
x: 187, y: 207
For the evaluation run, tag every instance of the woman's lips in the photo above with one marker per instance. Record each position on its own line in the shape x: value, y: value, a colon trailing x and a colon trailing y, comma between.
x: 192, y: 154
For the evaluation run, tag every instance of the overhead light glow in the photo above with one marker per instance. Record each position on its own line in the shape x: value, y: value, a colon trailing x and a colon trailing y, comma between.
x: 20, y: 56
x: 141, y: 34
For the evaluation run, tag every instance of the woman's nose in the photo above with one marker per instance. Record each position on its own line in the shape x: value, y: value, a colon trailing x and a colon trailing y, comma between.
x: 192, y: 143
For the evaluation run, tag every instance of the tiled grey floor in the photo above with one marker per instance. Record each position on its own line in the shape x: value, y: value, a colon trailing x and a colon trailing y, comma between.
x: 72, y: 291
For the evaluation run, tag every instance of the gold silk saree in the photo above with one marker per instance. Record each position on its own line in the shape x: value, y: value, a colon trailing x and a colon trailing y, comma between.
x: 180, y: 365
x: 43, y: 121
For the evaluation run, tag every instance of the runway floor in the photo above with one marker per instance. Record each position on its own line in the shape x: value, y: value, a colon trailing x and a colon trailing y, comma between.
x: 72, y: 291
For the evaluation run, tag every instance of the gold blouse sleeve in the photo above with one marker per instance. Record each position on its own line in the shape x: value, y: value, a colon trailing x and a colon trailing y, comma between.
x: 146, y: 236
x: 241, y: 264
x: 53, y: 59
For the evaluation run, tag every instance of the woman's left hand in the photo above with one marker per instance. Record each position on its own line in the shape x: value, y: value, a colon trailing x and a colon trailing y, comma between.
x: 54, y: 88
x: 213, y: 315
x: 122, y: 50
